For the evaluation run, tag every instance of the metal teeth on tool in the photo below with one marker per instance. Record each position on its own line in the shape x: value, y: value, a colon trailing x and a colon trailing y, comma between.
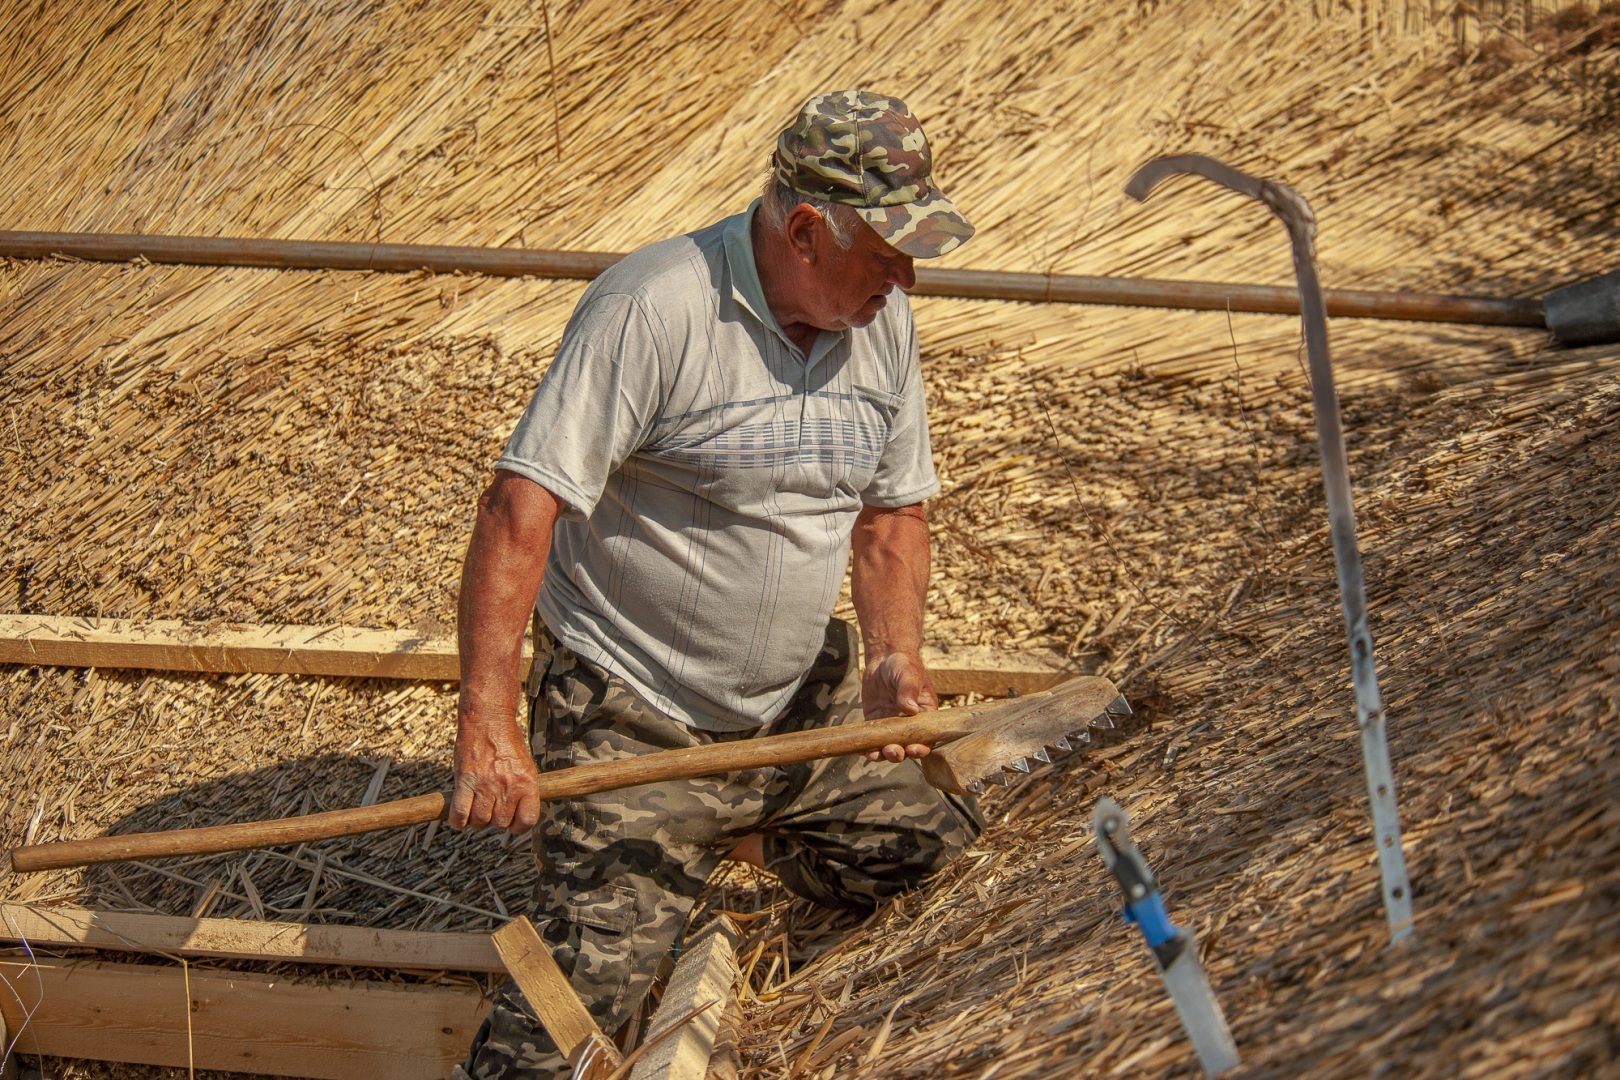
x: 1120, y: 707
x: 982, y: 784
x: 1081, y: 736
x: 1020, y: 764
x: 1063, y: 743
x: 1042, y: 756
x: 1103, y: 720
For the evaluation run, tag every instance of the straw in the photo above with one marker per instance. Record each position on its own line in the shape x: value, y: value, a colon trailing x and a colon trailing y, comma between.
x: 230, y: 445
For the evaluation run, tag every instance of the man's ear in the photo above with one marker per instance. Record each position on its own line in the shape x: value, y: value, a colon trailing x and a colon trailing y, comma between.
x: 804, y: 224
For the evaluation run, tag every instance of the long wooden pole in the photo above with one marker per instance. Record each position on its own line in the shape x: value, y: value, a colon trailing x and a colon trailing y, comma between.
x: 1080, y: 699
x: 584, y: 265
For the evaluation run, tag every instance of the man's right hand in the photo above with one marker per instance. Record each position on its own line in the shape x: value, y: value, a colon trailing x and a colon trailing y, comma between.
x: 496, y: 782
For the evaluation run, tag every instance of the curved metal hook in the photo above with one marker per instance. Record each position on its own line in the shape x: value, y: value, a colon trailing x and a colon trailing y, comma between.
x: 1284, y: 201
x: 1297, y: 217
x: 1149, y: 176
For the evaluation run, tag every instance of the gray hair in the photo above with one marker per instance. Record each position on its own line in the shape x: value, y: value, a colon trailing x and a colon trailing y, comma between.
x: 778, y: 201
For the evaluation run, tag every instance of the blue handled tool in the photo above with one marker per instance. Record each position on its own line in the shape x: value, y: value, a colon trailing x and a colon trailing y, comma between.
x: 1175, y: 951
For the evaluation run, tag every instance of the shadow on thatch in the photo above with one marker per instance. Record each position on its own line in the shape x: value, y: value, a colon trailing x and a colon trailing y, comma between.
x: 346, y: 879
x: 1530, y: 81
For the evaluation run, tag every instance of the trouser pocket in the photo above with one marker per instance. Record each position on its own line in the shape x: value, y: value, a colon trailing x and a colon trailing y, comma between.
x: 593, y: 937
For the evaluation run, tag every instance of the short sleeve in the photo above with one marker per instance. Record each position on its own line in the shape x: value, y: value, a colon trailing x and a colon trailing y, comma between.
x: 594, y: 407
x: 905, y: 471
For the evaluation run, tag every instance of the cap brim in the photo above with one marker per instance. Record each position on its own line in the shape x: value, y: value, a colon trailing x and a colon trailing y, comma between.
x: 925, y: 229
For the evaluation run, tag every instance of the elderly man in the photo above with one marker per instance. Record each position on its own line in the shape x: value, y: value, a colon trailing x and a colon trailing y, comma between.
x: 730, y: 413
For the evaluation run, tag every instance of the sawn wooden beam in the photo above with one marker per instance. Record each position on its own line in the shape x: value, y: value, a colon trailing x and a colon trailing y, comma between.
x: 238, y: 1021
x: 390, y: 654
x: 244, y: 939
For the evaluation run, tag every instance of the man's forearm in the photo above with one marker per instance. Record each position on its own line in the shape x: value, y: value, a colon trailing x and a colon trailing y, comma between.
x: 495, y: 775
x: 889, y: 581
x: 889, y: 578
x: 500, y: 579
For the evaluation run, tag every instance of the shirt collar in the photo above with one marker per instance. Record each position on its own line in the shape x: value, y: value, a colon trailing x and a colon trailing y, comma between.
x: 746, y: 288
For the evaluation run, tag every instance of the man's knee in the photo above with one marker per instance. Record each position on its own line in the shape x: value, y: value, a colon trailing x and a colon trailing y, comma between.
x: 944, y: 833
x: 857, y: 865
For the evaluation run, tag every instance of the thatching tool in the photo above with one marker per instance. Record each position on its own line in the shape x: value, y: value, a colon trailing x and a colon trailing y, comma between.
x: 982, y: 740
x: 1175, y: 950
x: 997, y: 753
x: 1297, y: 217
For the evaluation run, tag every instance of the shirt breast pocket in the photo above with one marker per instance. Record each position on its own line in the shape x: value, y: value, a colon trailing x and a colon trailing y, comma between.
x: 885, y: 404
x: 872, y: 419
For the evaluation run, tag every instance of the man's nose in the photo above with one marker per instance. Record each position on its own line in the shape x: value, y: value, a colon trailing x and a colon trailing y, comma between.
x: 902, y: 272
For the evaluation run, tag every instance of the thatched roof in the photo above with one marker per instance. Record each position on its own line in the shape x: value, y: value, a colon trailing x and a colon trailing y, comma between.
x: 1137, y: 488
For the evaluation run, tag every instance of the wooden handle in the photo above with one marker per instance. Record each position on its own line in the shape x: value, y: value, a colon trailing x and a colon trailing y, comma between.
x: 242, y: 836
x: 930, y: 728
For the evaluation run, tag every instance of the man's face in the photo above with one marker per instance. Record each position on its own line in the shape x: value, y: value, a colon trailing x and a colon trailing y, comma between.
x: 849, y: 287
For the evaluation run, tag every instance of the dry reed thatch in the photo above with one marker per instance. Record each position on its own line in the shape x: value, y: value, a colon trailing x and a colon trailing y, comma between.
x: 1136, y: 488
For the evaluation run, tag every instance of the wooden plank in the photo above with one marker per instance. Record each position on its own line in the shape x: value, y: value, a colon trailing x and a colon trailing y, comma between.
x: 700, y: 989
x: 547, y: 990
x: 8, y: 1060
x: 176, y: 646
x: 244, y: 939
x: 240, y: 1022
x: 391, y: 654
x: 972, y: 669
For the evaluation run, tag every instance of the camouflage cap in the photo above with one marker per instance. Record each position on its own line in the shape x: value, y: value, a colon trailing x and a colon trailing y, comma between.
x: 867, y: 151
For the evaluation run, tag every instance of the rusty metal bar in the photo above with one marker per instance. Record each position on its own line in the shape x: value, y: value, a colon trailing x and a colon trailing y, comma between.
x: 584, y: 265
x: 1219, y: 296
x: 305, y: 254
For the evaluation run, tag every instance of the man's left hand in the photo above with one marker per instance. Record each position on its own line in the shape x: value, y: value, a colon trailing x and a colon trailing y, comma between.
x: 897, y: 685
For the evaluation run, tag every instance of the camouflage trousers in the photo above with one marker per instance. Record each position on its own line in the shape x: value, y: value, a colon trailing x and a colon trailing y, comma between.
x: 621, y: 870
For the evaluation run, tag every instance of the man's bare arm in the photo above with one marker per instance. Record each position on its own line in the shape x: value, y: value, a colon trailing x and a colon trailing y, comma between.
x: 889, y: 583
x: 495, y: 775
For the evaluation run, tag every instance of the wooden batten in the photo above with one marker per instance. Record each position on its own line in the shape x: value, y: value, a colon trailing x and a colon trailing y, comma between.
x: 681, y: 1036
x: 175, y: 646
x: 242, y: 1022
x: 970, y: 669
x: 241, y: 939
x: 389, y: 654
x: 8, y: 1059
x: 528, y: 959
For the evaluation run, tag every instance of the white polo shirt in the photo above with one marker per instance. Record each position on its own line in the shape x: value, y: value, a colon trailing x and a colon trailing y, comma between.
x: 713, y: 474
